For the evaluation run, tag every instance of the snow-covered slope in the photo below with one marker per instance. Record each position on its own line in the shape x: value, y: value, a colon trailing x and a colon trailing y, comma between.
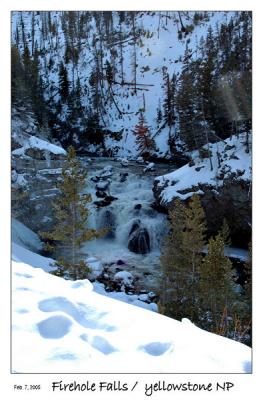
x: 25, y: 237
x: 64, y: 326
x: 235, y: 162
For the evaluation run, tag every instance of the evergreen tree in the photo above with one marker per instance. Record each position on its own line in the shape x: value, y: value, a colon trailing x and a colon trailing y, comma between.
x: 71, y: 214
x: 63, y: 82
x: 216, y: 286
x: 18, y: 84
x: 159, y: 113
x: 181, y: 259
x: 143, y: 139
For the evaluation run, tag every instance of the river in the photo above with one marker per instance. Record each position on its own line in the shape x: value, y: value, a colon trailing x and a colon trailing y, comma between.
x: 132, y: 189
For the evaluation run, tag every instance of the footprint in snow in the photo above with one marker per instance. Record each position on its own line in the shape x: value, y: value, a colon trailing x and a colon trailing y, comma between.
x: 23, y: 289
x: 22, y: 311
x: 99, y: 343
x: 64, y: 356
x: 85, y: 316
x: 54, y: 327
x: 155, y: 348
x: 23, y: 275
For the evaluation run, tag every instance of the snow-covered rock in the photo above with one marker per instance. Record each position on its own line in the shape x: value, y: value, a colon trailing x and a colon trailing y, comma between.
x: 124, y: 162
x: 124, y: 279
x: 225, y: 190
x: 149, y: 167
x: 39, y: 149
x: 104, y: 185
x: 61, y: 325
x: 95, y: 265
x: 189, y: 179
x: 140, y: 160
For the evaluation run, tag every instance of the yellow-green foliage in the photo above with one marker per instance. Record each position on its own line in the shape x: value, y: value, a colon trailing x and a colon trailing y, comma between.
x: 181, y: 258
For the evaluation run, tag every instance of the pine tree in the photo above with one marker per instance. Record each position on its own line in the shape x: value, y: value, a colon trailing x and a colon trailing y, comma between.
x: 143, y: 139
x: 71, y: 214
x: 174, y: 279
x: 63, y: 82
x: 18, y: 83
x: 182, y: 257
x: 216, y: 286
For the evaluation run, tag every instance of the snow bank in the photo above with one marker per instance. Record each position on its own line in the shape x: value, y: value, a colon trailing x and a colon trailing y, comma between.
x: 22, y: 255
x: 25, y: 237
x: 234, y: 160
x: 64, y: 326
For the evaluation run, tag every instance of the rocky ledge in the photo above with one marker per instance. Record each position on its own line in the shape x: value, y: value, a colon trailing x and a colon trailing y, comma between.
x: 223, y: 182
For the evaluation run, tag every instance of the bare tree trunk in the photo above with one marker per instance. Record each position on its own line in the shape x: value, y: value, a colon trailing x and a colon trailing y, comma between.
x: 206, y: 135
x: 134, y: 53
x: 159, y: 22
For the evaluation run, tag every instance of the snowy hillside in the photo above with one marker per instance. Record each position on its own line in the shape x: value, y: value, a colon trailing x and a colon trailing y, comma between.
x: 66, y: 327
x: 99, y: 71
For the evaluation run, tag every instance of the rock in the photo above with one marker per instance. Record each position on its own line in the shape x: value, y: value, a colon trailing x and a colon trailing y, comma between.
x: 103, y: 185
x: 105, y: 202
x: 231, y: 201
x: 95, y: 266
x: 107, y: 168
x: 110, y: 198
x: 140, y: 160
x: 123, y: 176
x: 95, y: 179
x: 233, y: 157
x: 124, y: 162
x: 139, y: 239
x: 14, y: 175
x: 149, y: 167
x: 102, y: 203
x: 137, y: 206
x: 124, y: 280
x: 199, y: 168
x: 101, y: 194
x: 105, y: 174
x: 39, y: 154
x: 152, y: 295
x: 143, y: 297
x: 120, y: 262
x: 136, y: 225
x: 228, y: 147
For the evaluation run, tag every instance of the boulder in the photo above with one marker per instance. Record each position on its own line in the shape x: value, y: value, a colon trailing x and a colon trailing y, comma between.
x: 101, y: 194
x: 41, y: 154
x: 123, y: 176
x: 139, y: 239
x: 231, y: 201
x: 124, y: 281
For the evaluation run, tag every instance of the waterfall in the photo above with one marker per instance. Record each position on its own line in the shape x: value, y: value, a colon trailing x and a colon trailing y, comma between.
x: 133, y: 226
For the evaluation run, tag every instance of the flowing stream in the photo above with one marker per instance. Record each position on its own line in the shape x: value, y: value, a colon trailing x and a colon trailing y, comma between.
x: 121, y: 202
x: 135, y: 229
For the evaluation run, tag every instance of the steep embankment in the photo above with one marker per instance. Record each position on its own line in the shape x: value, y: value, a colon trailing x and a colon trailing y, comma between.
x: 222, y: 180
x: 99, y: 71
